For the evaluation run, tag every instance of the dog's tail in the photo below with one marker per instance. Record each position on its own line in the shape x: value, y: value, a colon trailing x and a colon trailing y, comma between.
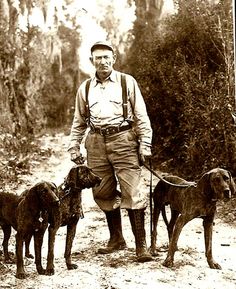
x: 163, y: 213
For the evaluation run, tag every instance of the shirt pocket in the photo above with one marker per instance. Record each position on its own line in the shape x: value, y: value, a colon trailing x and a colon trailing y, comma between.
x: 95, y: 107
x: 116, y: 105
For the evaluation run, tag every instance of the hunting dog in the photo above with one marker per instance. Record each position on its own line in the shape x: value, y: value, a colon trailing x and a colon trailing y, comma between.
x: 70, y: 211
x: 23, y: 213
x: 187, y: 203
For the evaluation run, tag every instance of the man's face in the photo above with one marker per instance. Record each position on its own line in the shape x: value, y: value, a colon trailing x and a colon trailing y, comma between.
x: 103, y: 60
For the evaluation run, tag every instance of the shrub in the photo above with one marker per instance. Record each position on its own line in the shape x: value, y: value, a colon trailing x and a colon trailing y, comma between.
x: 184, y: 72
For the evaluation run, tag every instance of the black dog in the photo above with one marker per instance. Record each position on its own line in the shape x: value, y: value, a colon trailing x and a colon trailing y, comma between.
x: 23, y: 213
x: 187, y: 203
x: 70, y: 211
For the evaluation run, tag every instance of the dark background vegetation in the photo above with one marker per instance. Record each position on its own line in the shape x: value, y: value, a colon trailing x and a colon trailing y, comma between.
x: 183, y: 63
x: 185, y: 69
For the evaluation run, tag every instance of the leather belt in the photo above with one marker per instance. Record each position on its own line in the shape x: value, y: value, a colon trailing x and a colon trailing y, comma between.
x: 110, y: 130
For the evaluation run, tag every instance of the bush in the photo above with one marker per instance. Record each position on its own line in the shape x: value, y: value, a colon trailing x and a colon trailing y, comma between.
x: 186, y: 80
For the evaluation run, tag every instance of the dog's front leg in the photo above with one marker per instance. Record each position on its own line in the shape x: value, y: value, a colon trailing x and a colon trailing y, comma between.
x: 38, y: 241
x: 51, y: 243
x: 208, y: 229
x: 20, y: 272
x: 181, y: 221
x: 71, y: 230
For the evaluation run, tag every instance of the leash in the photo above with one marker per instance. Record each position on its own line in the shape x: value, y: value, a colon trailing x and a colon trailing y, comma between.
x: 190, y: 184
x: 150, y: 196
x: 234, y: 58
x: 67, y: 191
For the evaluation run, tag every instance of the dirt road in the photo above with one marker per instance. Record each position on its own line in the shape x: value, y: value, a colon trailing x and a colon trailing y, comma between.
x: 120, y: 270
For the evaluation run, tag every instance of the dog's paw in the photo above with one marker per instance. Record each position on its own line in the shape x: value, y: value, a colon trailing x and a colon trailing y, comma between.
x: 153, y: 252
x: 29, y: 256
x: 41, y: 271
x: 168, y: 262
x: 21, y: 275
x: 71, y: 266
x: 214, y: 265
x: 50, y: 271
x: 9, y: 261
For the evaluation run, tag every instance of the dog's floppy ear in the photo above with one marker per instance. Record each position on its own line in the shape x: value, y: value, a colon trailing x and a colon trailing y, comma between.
x: 37, y: 188
x: 34, y: 189
x: 205, y: 185
x: 72, y: 177
x: 53, y: 185
x: 232, y: 184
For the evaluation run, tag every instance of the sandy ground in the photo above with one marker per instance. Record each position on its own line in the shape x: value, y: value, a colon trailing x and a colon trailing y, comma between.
x: 120, y: 270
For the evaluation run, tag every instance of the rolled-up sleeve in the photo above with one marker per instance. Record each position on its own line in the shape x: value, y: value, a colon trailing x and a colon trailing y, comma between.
x: 141, y: 119
x: 79, y: 124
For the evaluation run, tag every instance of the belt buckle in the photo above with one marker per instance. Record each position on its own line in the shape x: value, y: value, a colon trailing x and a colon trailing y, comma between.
x: 104, y: 131
x: 109, y: 130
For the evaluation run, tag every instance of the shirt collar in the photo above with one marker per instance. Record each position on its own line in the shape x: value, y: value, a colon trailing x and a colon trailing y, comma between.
x: 112, y: 77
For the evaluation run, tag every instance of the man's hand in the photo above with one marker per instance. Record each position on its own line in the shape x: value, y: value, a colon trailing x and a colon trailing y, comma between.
x: 144, y: 152
x: 76, y: 156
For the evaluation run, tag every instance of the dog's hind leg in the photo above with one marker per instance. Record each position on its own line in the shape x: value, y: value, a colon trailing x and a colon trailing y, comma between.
x: 156, y: 213
x: 163, y: 213
x: 171, y: 224
x: 20, y: 271
x: 7, y: 234
x: 27, y: 247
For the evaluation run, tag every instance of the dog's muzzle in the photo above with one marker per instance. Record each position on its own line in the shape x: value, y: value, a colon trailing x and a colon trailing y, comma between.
x: 227, y: 194
x: 56, y: 202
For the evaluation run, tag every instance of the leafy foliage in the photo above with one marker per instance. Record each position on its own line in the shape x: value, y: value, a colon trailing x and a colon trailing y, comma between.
x: 57, y: 95
x: 38, y: 78
x: 17, y: 155
x: 185, y: 72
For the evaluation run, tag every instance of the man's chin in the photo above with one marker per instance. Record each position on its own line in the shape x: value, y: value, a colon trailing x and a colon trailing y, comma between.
x: 105, y: 72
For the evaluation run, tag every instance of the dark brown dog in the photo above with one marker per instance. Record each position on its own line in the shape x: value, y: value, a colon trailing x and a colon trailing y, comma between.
x: 70, y: 211
x: 188, y: 203
x: 23, y: 213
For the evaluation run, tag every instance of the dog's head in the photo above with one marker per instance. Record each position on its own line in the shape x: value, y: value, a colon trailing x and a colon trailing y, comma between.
x: 218, y: 184
x: 47, y: 193
x: 81, y: 177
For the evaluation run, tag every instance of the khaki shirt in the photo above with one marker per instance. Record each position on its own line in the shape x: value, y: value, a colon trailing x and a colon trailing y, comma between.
x: 105, y: 105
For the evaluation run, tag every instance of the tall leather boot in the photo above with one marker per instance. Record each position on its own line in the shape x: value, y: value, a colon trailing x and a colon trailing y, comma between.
x: 117, y: 241
x: 137, y: 224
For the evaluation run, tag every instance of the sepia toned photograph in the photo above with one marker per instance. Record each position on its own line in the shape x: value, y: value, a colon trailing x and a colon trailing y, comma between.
x: 117, y: 144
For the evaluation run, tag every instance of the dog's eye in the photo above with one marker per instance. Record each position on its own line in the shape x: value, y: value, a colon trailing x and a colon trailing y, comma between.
x: 225, y: 178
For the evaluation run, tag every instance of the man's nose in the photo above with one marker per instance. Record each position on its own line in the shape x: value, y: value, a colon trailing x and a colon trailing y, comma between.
x: 103, y: 60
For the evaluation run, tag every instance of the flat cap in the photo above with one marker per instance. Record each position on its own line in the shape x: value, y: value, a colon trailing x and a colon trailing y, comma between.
x: 100, y: 44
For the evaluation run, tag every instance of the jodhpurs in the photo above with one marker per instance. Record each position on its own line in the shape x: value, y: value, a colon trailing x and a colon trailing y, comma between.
x: 115, y: 159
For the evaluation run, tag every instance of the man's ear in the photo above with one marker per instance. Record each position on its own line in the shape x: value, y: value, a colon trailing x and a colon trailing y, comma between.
x: 91, y: 59
x: 114, y: 58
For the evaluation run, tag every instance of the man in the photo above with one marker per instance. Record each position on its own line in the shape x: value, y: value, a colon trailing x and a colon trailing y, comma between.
x: 114, y: 148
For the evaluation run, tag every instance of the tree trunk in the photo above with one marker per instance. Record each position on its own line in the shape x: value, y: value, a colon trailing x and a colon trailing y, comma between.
x: 149, y: 11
